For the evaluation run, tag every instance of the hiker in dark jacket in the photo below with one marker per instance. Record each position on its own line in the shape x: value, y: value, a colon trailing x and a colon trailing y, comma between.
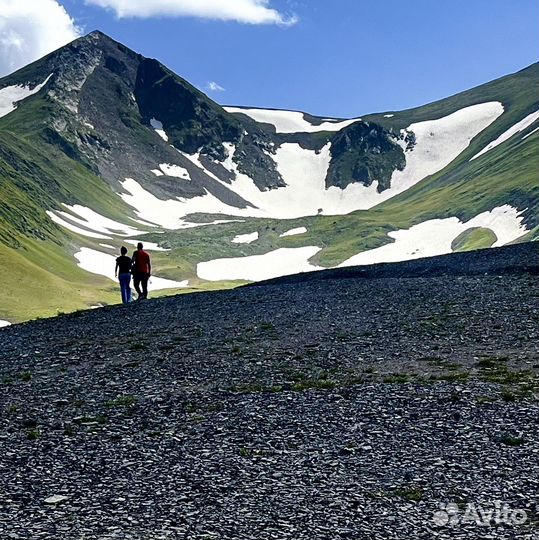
x: 142, y: 270
x: 123, y: 273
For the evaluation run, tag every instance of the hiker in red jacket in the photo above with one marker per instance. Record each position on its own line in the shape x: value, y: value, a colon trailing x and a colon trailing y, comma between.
x: 142, y: 269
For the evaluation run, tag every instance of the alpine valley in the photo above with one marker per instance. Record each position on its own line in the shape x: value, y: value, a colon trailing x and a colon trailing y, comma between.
x: 101, y: 147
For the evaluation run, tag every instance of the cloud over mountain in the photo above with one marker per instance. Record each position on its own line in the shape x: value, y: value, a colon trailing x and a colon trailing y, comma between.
x: 212, y: 86
x: 31, y: 29
x: 242, y: 11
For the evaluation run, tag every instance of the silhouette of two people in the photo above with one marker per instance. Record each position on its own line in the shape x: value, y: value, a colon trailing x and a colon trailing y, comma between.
x: 139, y: 267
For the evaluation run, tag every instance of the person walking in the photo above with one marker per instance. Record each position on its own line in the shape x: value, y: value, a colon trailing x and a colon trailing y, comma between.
x: 123, y: 273
x: 142, y: 269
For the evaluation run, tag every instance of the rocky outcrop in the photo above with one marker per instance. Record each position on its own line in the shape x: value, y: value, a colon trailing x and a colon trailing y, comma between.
x: 364, y: 152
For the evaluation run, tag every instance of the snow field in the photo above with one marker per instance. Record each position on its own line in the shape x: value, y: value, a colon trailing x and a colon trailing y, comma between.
x: 290, y: 121
x: 245, y: 238
x: 276, y: 263
x: 438, y: 142
x: 158, y: 127
x: 292, y: 232
x: 435, y: 236
x: 10, y: 95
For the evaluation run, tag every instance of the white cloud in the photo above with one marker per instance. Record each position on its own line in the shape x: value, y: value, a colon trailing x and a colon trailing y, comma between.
x: 29, y: 29
x: 212, y: 86
x: 243, y: 11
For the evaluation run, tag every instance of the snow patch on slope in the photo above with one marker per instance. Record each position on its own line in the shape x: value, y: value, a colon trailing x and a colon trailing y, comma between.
x: 169, y: 213
x: 73, y: 228
x: 530, y: 133
x: 11, y: 95
x: 292, y: 232
x: 438, y: 143
x: 96, y: 222
x: 290, y: 121
x: 280, y: 262
x: 158, y: 127
x: 517, y: 128
x: 435, y: 236
x: 103, y: 264
x: 148, y: 246
x: 245, y: 238
x: 175, y: 170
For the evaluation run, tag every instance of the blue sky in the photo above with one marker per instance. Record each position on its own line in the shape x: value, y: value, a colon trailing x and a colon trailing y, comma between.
x: 341, y: 57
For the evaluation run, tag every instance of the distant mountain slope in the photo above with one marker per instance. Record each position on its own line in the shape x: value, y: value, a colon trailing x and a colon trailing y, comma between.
x: 100, y: 146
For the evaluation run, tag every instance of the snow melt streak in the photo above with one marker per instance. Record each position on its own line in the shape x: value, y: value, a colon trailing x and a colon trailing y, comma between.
x: 517, y: 128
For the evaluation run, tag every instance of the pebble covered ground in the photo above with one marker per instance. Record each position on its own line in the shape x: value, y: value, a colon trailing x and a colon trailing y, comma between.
x: 380, y: 408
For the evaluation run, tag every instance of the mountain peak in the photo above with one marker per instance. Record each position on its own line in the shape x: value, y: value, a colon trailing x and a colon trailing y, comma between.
x: 97, y: 37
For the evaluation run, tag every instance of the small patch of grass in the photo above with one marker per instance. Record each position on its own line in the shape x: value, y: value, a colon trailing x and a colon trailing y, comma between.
x: 251, y: 452
x: 410, y: 494
x: 25, y: 376
x: 508, y: 395
x: 215, y: 407
x: 397, y: 378
x: 12, y: 408
x: 485, y: 399
x: 509, y: 440
x: 501, y: 374
x: 126, y: 400
x: 33, y: 434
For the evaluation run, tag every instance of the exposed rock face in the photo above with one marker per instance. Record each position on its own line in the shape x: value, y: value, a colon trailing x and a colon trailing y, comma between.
x: 364, y: 152
x: 192, y: 122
